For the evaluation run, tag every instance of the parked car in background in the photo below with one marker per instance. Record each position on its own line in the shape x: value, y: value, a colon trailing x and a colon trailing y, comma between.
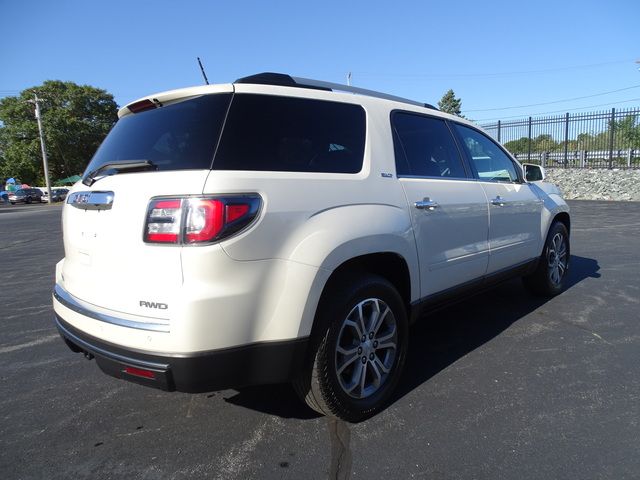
x: 57, y: 195
x: 26, y: 195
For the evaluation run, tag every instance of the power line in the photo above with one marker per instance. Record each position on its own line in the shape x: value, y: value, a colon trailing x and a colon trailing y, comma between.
x: 554, y: 101
x: 9, y: 93
x: 558, y: 111
x: 495, y: 74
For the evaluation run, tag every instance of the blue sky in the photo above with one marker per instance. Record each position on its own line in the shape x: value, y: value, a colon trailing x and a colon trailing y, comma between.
x: 492, y: 54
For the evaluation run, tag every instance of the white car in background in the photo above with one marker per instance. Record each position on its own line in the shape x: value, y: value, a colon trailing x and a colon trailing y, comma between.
x: 57, y: 194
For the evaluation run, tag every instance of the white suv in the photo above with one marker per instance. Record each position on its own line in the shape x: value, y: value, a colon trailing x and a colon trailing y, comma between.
x: 282, y: 229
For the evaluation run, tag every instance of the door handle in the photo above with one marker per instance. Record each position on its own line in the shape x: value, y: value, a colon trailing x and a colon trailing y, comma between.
x: 498, y: 201
x: 426, y: 204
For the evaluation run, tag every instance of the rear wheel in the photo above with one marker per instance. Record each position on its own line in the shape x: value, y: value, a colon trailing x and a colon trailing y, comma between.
x: 28, y: 200
x: 549, y: 279
x: 360, y: 352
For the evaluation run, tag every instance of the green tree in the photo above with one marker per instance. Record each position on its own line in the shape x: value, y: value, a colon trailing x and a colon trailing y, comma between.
x: 518, y: 146
x: 541, y: 143
x: 584, y: 141
x: 544, y: 143
x: 75, y: 119
x: 450, y: 104
x: 601, y: 141
x: 627, y: 132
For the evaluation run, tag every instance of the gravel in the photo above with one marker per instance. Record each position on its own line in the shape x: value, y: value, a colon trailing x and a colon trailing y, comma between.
x: 596, y: 184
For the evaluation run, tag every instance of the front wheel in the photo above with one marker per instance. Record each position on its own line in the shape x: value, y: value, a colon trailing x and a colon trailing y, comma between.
x: 360, y: 351
x: 549, y: 279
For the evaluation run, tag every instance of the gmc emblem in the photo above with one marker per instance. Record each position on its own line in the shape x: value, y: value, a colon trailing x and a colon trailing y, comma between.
x: 159, y: 306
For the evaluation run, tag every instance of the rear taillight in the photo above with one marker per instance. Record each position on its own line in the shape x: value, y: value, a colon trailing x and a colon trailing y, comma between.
x: 164, y: 221
x: 205, y: 220
x: 194, y: 220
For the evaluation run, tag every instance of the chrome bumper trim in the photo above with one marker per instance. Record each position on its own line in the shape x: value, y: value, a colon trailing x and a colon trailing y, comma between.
x: 72, y: 303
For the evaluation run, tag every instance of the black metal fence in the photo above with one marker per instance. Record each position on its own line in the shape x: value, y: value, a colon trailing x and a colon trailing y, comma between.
x: 609, y: 139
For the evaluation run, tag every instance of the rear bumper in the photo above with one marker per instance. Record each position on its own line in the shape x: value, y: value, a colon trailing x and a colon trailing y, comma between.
x: 259, y: 363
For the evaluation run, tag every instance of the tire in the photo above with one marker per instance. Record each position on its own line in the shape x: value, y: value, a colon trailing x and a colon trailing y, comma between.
x: 549, y: 278
x: 353, y: 373
x: 28, y: 200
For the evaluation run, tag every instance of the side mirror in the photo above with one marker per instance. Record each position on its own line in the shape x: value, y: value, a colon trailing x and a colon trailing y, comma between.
x: 533, y: 173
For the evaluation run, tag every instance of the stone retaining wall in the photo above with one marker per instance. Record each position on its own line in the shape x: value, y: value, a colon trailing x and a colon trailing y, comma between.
x: 596, y: 184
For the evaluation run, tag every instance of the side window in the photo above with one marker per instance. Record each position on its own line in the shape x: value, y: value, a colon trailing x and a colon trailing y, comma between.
x: 424, y: 147
x: 271, y: 133
x: 491, y: 163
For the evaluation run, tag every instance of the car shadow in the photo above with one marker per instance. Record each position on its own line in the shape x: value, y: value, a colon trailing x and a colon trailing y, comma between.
x: 444, y: 337
x: 280, y: 400
x: 581, y: 268
x: 436, y: 341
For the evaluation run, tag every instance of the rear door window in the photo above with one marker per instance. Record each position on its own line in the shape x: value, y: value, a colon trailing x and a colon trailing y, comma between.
x: 424, y: 147
x: 272, y: 133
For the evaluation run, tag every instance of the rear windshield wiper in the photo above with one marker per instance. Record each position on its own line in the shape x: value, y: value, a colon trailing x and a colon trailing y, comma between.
x: 111, y: 168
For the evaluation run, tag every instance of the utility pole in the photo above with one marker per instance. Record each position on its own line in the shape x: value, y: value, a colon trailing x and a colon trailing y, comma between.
x: 349, y: 79
x: 44, y: 149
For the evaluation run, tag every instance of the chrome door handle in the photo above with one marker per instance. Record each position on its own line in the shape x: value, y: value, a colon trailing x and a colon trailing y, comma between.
x: 426, y: 204
x: 499, y: 201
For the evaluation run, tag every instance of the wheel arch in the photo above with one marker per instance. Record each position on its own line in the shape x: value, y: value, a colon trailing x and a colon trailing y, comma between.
x: 564, y: 218
x: 317, y: 380
x: 557, y: 211
x: 389, y: 265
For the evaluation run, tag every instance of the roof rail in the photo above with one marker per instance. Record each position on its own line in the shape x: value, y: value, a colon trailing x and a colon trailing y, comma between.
x: 281, y: 79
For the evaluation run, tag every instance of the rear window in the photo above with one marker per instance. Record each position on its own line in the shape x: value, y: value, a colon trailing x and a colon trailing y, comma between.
x: 181, y: 136
x: 272, y: 133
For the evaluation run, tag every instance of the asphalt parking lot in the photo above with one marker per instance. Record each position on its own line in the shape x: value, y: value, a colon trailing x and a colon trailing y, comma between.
x: 502, y: 386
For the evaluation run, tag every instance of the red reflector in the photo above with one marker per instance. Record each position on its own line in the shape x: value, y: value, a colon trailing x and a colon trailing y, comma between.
x: 235, y: 212
x: 162, y: 237
x: 138, y: 372
x: 141, y: 106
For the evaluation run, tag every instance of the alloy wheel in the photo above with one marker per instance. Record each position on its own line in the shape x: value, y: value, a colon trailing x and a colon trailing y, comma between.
x: 557, y: 258
x: 366, y: 348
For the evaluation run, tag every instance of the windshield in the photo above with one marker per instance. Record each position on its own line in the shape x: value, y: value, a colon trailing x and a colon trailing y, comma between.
x: 181, y: 136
